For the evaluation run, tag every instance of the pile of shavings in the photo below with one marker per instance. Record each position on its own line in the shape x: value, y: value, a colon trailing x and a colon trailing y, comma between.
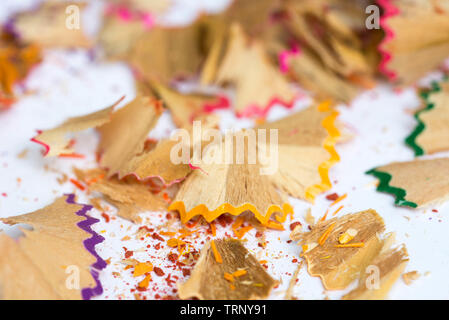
x: 128, y: 165
x: 254, y: 54
x: 329, y: 43
x: 414, y: 31
x: 17, y: 58
x: 251, y: 44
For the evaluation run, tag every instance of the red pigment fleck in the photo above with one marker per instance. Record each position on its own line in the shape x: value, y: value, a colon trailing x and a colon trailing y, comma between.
x: 157, y: 246
x: 294, y: 225
x: 173, y: 257
x: 105, y: 216
x: 434, y: 210
x: 146, y: 229
x: 332, y: 197
x: 186, y: 272
x: 128, y: 254
x: 157, y: 237
x: 295, y: 260
x: 169, y: 281
x: 224, y: 220
x: 158, y: 271
x: 4, y: 194
x: 258, y: 234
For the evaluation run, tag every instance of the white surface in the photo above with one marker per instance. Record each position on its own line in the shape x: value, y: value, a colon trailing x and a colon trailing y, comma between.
x: 69, y: 83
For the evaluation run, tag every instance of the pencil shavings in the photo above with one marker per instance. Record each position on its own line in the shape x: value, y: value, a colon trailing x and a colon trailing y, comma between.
x: 124, y: 136
x: 258, y: 83
x: 185, y: 108
x: 432, y: 132
x: 117, y: 37
x: 62, y: 243
x: 306, y: 139
x: 335, y: 31
x: 129, y: 196
x: 415, y: 184
x: 209, y: 281
x: 414, y: 31
x: 388, y: 265
x: 136, y: 10
x: 17, y: 58
x: 224, y: 185
x: 332, y: 45
x: 164, y: 54
x: 338, y: 264
x: 310, y: 73
x: 156, y: 163
x: 53, y: 25
x: 55, y: 141
x: 253, y: 15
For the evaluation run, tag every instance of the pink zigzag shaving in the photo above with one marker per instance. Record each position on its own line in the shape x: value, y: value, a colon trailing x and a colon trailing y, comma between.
x: 389, y: 11
x: 257, y: 111
x: 285, y: 55
x: 126, y: 15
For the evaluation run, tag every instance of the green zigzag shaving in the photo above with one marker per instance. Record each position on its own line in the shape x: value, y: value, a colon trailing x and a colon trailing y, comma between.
x: 411, y: 139
x: 384, y: 186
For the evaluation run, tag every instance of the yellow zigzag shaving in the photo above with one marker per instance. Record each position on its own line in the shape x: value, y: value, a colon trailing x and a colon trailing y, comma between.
x: 329, y: 144
x: 202, y: 210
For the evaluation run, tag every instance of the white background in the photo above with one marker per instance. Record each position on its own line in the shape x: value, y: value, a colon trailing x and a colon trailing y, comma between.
x: 70, y: 83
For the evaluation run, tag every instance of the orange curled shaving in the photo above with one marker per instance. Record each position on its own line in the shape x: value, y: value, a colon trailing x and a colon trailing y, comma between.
x: 229, y: 277
x: 338, y: 210
x: 240, y: 233
x: 239, y: 273
x: 202, y: 210
x: 167, y: 233
x: 340, y: 198
x: 145, y: 282
x: 350, y: 245
x: 325, y: 215
x: 95, y: 179
x: 213, y: 228
x: 326, y: 234
x: 173, y: 242
x: 216, y: 253
x: 77, y: 184
x: 274, y: 225
x: 71, y: 155
x: 142, y: 268
x: 329, y: 144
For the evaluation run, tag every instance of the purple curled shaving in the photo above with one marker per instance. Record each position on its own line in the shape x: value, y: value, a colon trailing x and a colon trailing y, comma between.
x: 90, y: 244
